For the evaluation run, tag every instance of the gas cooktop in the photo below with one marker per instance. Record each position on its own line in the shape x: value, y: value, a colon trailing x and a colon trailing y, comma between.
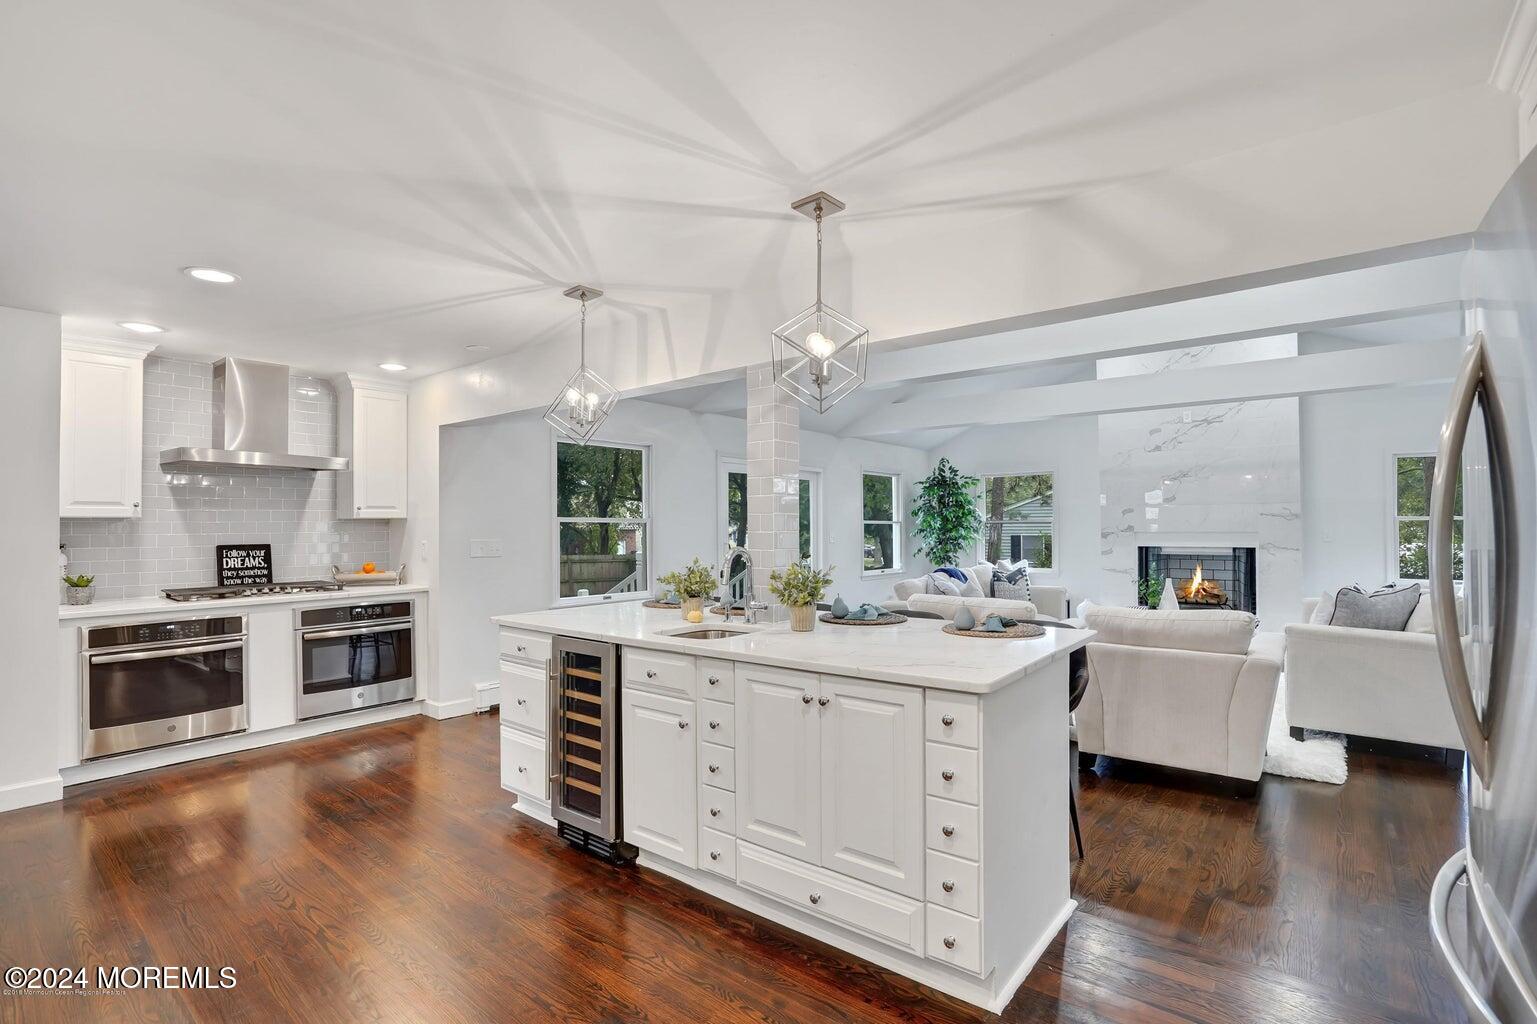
x: 215, y: 593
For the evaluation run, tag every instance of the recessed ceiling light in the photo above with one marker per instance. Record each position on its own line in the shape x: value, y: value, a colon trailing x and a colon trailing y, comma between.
x: 210, y: 274
x: 140, y: 327
x: 393, y: 367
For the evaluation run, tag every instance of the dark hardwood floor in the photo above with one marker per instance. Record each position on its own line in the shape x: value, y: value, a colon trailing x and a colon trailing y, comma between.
x: 379, y: 874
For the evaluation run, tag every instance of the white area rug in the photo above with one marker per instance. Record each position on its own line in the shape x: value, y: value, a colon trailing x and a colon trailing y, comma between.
x: 1321, y: 758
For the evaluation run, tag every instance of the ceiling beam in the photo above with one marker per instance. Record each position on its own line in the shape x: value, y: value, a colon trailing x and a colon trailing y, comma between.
x: 1414, y: 362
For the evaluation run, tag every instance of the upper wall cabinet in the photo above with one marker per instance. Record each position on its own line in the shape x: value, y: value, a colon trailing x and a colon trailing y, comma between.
x: 101, y: 429
x: 371, y: 431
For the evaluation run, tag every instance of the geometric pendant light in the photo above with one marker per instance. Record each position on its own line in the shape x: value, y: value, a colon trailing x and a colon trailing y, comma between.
x: 819, y: 353
x: 584, y: 403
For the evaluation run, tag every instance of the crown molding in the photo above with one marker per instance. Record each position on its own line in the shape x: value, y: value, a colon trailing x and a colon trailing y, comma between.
x: 356, y: 381
x: 107, y: 346
x: 1516, y: 61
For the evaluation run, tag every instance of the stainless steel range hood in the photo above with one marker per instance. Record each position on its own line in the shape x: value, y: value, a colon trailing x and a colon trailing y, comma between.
x: 250, y: 423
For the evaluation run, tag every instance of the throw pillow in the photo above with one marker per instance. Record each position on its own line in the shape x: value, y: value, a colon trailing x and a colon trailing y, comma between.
x: 1324, y: 610
x: 1388, y: 608
x: 979, y: 579
x: 1013, y: 585
x: 940, y: 583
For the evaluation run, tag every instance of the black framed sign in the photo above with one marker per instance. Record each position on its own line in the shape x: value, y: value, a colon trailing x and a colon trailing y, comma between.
x: 244, y: 565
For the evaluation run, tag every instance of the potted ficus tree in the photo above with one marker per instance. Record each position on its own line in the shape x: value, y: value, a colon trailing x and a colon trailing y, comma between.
x: 692, y: 584
x: 799, y: 588
x: 79, y: 589
x: 945, y: 514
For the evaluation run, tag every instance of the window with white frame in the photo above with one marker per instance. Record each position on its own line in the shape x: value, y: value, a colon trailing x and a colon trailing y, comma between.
x: 882, y: 522
x: 1019, y: 519
x: 601, y: 521
x: 1413, y: 475
x: 735, y: 507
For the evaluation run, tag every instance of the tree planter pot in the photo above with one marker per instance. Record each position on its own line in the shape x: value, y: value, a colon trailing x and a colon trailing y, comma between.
x: 803, y: 618
x: 689, y: 605
x: 79, y: 595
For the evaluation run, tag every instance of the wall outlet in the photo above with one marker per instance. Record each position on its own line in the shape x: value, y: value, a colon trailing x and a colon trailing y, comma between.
x: 485, y: 549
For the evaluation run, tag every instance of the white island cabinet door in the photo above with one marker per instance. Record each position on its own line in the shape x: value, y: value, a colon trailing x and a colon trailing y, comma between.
x: 872, y: 782
x: 778, y: 782
x: 661, y: 813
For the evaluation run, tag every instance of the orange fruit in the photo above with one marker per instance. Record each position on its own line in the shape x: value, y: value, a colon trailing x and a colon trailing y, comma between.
x: 368, y: 567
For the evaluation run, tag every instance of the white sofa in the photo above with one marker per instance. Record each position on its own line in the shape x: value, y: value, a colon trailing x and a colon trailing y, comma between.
x: 1050, y: 602
x: 1375, y: 683
x: 1185, y: 689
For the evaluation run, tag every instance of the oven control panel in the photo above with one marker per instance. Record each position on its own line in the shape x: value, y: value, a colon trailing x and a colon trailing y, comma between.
x: 177, y: 631
x: 347, y: 613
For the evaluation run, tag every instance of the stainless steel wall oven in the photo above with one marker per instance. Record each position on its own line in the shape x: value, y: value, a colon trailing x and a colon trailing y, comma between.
x: 354, y: 656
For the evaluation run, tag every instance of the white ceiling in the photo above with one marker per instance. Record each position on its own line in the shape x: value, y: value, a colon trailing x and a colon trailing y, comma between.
x: 395, y: 181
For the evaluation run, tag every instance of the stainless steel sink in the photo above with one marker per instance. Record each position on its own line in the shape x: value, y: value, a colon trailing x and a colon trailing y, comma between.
x: 708, y: 634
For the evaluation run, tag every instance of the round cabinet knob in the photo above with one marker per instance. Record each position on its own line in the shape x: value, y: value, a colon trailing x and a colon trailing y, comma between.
x: 816, y: 897
x: 947, y: 719
x: 522, y: 703
x: 949, y: 941
x: 947, y: 885
x: 715, y: 812
x: 715, y: 725
x: 805, y: 698
x: 650, y: 673
x: 522, y: 649
x: 136, y: 504
x: 948, y: 830
x: 822, y: 701
x: 360, y: 508
x: 522, y: 770
x: 715, y: 855
x: 682, y: 725
x: 947, y: 775
x: 714, y: 768
x: 715, y: 680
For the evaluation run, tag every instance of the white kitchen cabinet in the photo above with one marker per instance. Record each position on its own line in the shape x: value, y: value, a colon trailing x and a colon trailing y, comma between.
x: 101, y: 430
x: 372, y: 433
x: 778, y: 781
x: 872, y: 782
x: 661, y: 778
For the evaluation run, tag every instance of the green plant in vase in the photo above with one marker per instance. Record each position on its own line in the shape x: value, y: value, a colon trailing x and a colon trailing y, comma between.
x: 1149, y: 591
x: 945, y: 514
x: 692, y: 584
x: 79, y: 589
x: 799, y: 588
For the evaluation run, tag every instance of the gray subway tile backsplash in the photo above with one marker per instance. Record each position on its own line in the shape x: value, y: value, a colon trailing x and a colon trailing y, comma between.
x: 184, y: 516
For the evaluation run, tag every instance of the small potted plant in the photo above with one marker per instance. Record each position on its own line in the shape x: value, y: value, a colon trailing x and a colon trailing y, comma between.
x: 692, y: 585
x: 79, y: 589
x: 799, y: 588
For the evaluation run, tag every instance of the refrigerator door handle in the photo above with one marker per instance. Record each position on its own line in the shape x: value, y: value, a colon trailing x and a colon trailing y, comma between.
x: 1443, y: 595
x: 1440, y: 894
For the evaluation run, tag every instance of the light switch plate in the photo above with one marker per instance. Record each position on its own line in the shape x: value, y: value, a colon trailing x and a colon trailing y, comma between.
x: 485, y: 549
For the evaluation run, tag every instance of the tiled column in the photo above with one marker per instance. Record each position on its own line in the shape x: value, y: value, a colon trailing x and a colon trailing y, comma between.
x: 773, y: 481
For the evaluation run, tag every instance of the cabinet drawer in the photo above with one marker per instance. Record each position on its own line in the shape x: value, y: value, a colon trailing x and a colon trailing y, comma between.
x: 852, y: 904
x: 717, y: 679
x: 717, y: 808
x: 659, y: 671
x: 954, y: 938
x: 717, y: 766
x: 951, y: 772
x: 962, y: 822
x: 525, y: 697
x: 525, y: 768
x: 718, y: 721
x: 952, y: 718
x: 964, y: 878
x: 517, y: 645
x: 717, y: 852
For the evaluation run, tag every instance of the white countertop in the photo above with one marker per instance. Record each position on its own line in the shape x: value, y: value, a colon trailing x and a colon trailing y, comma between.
x: 135, y: 606
x: 915, y: 652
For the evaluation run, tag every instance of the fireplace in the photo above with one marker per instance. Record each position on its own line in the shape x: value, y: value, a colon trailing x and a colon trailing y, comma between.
x: 1204, y: 578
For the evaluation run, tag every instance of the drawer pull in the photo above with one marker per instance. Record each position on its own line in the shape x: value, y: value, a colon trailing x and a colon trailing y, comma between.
x: 948, y: 719
x: 715, y: 812
x: 949, y: 941
x: 805, y: 698
x: 715, y: 680
x: 947, y: 885
x: 947, y: 775
x: 522, y: 702
x: 715, y: 725
x: 816, y: 897
x: 714, y: 768
x: 715, y: 855
x: 682, y: 725
x: 948, y: 830
x: 650, y: 673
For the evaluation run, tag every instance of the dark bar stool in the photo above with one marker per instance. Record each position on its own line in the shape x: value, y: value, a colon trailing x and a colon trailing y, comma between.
x: 1077, y: 683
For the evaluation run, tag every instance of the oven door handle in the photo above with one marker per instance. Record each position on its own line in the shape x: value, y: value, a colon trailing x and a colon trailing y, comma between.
x: 165, y: 652
x: 372, y: 627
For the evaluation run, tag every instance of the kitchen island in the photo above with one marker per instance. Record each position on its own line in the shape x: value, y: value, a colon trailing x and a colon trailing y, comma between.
x: 894, y: 791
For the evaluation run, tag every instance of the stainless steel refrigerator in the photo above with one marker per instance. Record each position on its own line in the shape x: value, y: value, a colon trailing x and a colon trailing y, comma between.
x: 1483, y: 905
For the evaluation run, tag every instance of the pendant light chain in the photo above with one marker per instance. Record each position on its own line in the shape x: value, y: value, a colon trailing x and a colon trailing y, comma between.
x: 819, y: 254
x: 584, y: 331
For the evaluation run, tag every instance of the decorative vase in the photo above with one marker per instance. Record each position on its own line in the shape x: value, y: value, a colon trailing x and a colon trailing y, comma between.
x: 803, y: 618
x: 691, y: 604
x: 1169, y: 602
x: 79, y: 595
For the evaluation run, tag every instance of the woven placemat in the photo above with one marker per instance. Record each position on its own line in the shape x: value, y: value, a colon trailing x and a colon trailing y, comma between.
x: 660, y: 604
x: 886, y: 619
x: 1020, y: 631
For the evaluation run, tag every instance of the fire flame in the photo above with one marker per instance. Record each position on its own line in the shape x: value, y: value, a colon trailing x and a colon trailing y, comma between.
x: 1195, y: 582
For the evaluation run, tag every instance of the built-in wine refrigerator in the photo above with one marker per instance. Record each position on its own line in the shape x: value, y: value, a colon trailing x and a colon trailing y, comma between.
x: 584, y: 746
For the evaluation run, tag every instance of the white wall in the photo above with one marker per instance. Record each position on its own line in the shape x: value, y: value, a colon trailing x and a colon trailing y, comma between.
x: 1067, y: 448
x: 29, y: 522
x: 1348, y: 442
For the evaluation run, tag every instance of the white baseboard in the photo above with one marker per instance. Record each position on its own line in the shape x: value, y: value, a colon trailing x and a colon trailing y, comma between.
x: 37, y: 791
x: 488, y: 695
x: 448, y: 708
